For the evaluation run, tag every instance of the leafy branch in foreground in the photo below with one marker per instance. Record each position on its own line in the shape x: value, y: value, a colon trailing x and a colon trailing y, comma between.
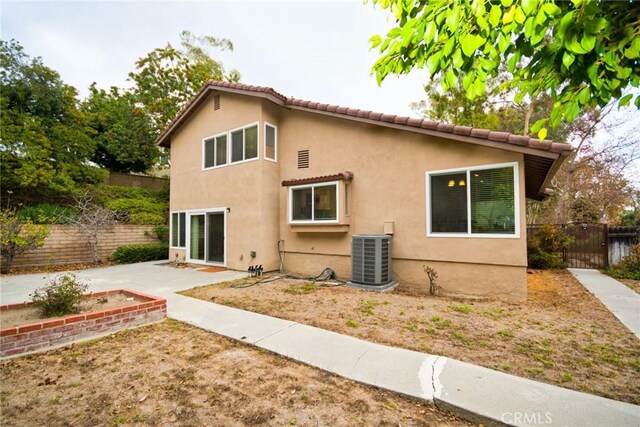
x: 581, y: 52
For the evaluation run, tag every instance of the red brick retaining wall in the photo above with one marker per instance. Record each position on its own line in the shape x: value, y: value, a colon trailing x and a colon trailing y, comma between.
x: 60, y: 330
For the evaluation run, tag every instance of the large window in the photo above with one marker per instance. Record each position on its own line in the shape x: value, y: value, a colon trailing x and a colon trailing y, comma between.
x: 244, y: 144
x: 215, y: 151
x: 479, y: 201
x: 314, y: 203
x: 178, y: 224
x: 270, y: 142
x: 231, y: 147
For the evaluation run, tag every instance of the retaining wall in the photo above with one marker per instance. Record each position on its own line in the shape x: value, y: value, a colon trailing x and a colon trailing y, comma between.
x: 65, y: 245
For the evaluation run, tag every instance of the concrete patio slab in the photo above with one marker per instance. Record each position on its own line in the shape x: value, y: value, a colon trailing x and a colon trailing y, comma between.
x: 623, y: 302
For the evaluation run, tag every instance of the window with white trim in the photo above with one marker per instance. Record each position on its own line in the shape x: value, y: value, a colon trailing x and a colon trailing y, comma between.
x: 244, y: 144
x: 270, y: 142
x: 479, y: 201
x: 215, y: 151
x: 178, y: 231
x: 314, y: 203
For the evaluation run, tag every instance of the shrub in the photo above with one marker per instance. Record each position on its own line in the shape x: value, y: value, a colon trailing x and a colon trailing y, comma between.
x: 628, y: 267
x: 545, y: 247
x: 147, y: 218
x: 18, y: 236
x: 47, y: 213
x: 141, y: 253
x: 161, y: 232
x: 60, y: 297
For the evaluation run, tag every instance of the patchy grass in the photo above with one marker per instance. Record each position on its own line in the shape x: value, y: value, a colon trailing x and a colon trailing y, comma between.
x: 171, y: 373
x: 561, y: 328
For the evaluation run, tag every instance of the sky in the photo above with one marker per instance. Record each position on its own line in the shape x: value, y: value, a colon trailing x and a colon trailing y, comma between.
x: 315, y: 50
x: 311, y: 50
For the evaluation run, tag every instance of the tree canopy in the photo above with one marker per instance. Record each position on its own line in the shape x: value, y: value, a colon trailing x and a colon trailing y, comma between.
x: 123, y: 133
x: 582, y: 53
x: 44, y: 137
x: 167, y: 78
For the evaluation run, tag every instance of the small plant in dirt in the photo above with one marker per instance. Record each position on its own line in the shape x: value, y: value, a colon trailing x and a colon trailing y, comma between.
x: 61, y: 296
x: 432, y: 275
x: 366, y: 307
x: 461, y: 308
x: 566, y: 377
x: 18, y: 236
x: 304, y: 289
x: 351, y: 323
x: 505, y: 333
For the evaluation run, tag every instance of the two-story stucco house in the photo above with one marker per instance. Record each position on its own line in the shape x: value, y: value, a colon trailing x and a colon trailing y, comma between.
x: 260, y: 178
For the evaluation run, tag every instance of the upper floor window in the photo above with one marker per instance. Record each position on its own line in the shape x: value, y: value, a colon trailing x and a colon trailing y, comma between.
x: 215, y: 151
x: 244, y: 144
x: 270, y: 142
x: 314, y: 203
x: 235, y: 146
x: 480, y: 201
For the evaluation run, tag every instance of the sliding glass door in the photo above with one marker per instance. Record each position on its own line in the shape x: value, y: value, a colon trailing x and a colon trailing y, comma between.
x: 215, y: 237
x: 207, y: 237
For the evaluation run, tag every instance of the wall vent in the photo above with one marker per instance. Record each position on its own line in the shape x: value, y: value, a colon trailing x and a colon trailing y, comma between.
x: 371, y: 262
x: 303, y: 159
x: 216, y: 102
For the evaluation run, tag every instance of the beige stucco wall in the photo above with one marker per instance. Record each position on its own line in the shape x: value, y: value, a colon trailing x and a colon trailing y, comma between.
x: 389, y: 184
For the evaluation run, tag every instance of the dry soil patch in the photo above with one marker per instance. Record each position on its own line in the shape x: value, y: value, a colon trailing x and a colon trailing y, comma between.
x: 561, y: 335
x: 174, y: 374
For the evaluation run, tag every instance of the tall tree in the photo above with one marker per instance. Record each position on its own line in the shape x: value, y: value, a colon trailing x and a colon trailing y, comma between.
x: 45, y: 147
x: 582, y: 53
x: 167, y: 78
x: 124, y: 135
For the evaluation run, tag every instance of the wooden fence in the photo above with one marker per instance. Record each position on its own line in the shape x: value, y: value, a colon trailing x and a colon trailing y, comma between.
x: 66, y: 246
x: 621, y: 239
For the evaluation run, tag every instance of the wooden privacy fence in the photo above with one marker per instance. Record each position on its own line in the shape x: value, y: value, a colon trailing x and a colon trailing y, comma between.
x: 595, y: 245
x: 66, y: 246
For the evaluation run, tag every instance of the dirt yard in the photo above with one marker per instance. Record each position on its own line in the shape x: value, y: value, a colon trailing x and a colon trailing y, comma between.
x: 174, y: 374
x: 57, y: 268
x: 633, y: 284
x: 562, y: 335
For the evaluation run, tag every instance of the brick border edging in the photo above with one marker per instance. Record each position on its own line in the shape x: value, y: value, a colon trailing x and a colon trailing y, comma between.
x: 34, y: 336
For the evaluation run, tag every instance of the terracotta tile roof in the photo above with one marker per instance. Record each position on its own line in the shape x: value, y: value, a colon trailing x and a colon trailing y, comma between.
x: 342, y: 176
x: 407, y: 123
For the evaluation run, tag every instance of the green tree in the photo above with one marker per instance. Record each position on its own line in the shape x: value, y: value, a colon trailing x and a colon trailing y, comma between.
x: 45, y: 147
x: 167, y: 78
x: 123, y: 133
x: 18, y: 236
x: 582, y: 53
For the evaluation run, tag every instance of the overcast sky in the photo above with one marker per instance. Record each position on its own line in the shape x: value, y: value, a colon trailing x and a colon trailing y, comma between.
x: 315, y: 50
x: 311, y: 50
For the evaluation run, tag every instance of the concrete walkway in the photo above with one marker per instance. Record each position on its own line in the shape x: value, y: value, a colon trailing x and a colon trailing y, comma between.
x: 478, y: 394
x: 622, y: 301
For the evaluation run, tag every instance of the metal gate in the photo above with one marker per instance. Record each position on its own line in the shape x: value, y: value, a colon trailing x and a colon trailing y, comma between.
x: 589, y: 246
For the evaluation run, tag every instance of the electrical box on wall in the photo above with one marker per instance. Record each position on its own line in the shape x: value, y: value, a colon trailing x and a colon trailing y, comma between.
x: 388, y: 228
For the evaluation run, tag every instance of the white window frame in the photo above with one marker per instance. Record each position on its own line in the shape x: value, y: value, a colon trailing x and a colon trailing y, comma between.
x: 187, y: 237
x: 171, y: 229
x: 229, y: 146
x: 244, y: 144
x: 275, y: 142
x: 468, y: 171
x: 312, y: 220
x: 215, y: 151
